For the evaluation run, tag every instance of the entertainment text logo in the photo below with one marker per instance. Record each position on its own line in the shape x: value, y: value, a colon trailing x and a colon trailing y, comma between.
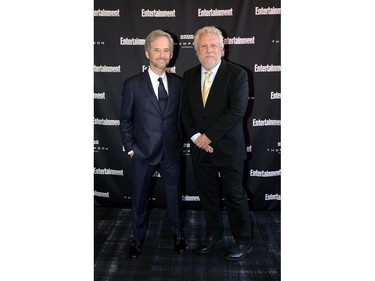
x: 106, y: 13
x: 269, y: 197
x: 146, y: 13
x: 106, y: 122
x: 132, y: 41
x: 101, y: 194
x: 265, y: 174
x: 190, y: 198
x: 105, y: 68
x: 267, y: 68
x: 266, y: 122
x: 215, y: 13
x: 260, y: 11
x: 239, y: 41
x: 99, y: 96
x: 275, y: 95
x: 107, y: 171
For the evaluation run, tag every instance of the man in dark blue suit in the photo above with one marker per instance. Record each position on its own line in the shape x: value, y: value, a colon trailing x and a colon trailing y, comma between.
x: 151, y: 137
x: 214, y: 101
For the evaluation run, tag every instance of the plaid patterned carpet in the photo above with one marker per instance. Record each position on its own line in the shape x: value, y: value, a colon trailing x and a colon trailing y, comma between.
x: 112, y: 235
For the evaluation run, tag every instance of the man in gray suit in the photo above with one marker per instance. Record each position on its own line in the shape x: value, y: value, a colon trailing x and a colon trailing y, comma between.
x: 214, y: 101
x: 151, y: 136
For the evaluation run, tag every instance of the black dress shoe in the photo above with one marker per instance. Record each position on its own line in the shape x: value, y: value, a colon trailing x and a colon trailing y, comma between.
x: 209, y: 244
x: 179, y: 243
x: 238, y: 251
x: 135, y: 250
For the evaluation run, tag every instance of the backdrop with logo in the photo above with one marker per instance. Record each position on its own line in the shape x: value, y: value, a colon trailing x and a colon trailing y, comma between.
x: 251, y: 30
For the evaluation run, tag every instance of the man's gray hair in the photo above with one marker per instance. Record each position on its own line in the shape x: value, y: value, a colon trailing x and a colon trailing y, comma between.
x: 209, y: 29
x: 156, y: 34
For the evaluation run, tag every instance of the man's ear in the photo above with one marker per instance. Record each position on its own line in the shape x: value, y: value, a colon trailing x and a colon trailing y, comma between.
x: 147, y: 55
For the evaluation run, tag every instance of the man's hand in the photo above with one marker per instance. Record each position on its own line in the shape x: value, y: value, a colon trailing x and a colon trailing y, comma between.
x: 203, y: 142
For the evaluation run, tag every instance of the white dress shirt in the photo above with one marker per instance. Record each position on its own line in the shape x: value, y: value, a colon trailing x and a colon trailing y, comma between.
x: 155, y: 83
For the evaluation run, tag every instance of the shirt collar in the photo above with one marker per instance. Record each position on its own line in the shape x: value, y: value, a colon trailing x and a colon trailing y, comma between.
x: 154, y: 76
x: 213, y: 71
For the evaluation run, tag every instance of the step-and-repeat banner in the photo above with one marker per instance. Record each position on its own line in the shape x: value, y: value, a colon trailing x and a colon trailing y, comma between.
x: 251, y: 30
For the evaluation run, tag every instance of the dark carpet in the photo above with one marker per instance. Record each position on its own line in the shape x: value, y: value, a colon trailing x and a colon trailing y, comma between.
x: 113, y: 232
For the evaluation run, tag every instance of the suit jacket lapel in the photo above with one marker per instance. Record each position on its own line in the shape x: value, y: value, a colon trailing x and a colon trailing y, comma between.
x: 173, y: 94
x: 216, y: 85
x: 171, y: 90
x: 197, y: 91
x: 150, y: 91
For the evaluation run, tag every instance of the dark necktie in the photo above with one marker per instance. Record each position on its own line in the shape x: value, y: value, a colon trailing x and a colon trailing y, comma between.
x: 162, y: 95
